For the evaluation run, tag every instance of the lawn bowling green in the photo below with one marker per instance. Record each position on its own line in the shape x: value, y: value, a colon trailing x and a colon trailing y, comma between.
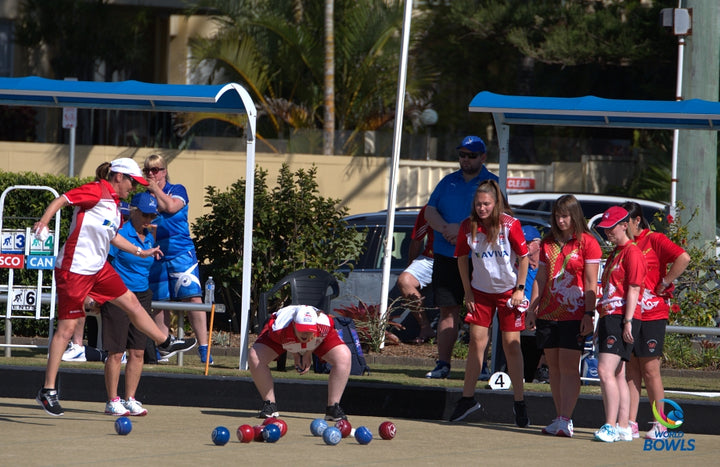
x: 180, y: 435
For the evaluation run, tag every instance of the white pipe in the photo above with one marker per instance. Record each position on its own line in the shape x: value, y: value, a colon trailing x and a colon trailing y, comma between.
x: 397, y: 140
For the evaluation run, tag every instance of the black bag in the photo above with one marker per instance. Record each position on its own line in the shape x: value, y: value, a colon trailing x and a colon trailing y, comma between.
x: 345, y: 328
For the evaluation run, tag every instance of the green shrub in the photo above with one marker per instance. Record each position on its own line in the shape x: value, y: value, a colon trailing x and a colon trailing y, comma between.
x: 293, y: 228
x: 21, y: 208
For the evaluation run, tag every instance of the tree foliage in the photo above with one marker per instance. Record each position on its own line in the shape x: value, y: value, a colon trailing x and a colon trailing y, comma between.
x: 293, y: 228
x: 80, y: 35
x: 275, y: 49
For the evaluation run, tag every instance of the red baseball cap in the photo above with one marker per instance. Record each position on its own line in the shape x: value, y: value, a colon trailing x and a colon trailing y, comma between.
x: 612, y: 217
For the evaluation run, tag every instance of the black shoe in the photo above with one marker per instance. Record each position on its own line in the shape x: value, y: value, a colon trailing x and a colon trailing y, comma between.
x: 175, y: 346
x: 335, y: 413
x: 542, y: 375
x: 465, y: 406
x: 48, y: 400
x: 269, y: 409
x: 521, y: 416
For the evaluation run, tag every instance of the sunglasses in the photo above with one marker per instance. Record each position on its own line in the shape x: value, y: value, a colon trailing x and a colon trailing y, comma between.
x: 469, y: 155
x: 132, y: 180
x: 153, y: 170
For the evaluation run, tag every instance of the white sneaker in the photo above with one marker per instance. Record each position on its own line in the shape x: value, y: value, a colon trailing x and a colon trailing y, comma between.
x: 606, y: 434
x: 123, y: 359
x: 623, y: 434
x: 135, y: 407
x: 74, y: 353
x: 552, y: 428
x: 116, y: 407
x: 635, y: 429
x: 565, y: 428
x: 656, y: 432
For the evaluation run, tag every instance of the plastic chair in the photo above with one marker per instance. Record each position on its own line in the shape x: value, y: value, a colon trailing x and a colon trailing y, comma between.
x: 307, y: 287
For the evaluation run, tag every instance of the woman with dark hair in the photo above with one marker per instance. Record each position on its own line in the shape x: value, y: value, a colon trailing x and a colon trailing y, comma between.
x: 495, y: 242
x: 660, y: 252
x: 565, y: 297
x: 82, y: 269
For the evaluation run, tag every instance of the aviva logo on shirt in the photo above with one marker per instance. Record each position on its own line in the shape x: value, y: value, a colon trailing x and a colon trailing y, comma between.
x: 109, y: 223
x: 492, y: 254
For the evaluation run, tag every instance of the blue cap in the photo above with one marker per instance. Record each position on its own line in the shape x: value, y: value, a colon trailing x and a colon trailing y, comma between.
x: 145, y: 202
x: 531, y: 233
x: 473, y: 144
x: 124, y: 209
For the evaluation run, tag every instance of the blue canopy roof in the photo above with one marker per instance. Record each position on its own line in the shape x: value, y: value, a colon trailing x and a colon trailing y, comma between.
x: 590, y: 111
x: 127, y: 95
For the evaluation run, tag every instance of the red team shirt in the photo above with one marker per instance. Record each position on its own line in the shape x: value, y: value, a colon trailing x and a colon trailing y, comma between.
x: 421, y: 230
x: 563, y: 298
x: 659, y: 252
x: 494, y: 264
x: 96, y: 220
x: 625, y: 267
x: 279, y: 334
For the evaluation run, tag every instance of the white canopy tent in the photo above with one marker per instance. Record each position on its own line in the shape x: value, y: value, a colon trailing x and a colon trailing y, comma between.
x: 135, y: 95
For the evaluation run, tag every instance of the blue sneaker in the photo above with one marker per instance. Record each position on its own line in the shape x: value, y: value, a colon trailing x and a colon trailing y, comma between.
x: 441, y: 371
x: 607, y: 434
x: 203, y: 352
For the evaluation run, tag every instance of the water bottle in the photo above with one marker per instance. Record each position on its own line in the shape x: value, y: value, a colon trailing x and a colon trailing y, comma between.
x: 209, y: 290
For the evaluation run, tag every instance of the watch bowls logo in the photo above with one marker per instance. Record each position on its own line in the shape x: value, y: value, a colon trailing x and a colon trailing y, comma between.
x: 665, y: 433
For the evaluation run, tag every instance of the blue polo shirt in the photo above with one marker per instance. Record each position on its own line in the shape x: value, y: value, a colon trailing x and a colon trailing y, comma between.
x: 453, y: 197
x: 133, y: 270
x: 173, y: 230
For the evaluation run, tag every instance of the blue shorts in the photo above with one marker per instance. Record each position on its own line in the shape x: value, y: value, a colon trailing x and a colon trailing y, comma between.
x: 176, y: 279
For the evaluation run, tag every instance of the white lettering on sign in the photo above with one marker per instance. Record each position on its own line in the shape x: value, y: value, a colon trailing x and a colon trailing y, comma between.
x: 516, y: 183
x: 12, y: 261
x: 41, y: 262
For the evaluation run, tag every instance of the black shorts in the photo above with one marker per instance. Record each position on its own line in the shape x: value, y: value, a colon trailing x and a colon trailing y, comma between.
x: 651, y: 339
x: 610, y: 340
x: 447, y: 286
x: 118, y: 334
x: 559, y: 335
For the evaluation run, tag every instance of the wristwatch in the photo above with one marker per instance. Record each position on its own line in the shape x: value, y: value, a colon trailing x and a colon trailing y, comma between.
x: 520, y: 287
x: 625, y: 320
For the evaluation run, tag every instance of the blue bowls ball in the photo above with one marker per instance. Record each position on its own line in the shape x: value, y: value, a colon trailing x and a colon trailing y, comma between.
x: 332, y: 436
x: 271, y: 433
x: 363, y: 435
x: 318, y: 426
x: 123, y: 426
x: 220, y: 435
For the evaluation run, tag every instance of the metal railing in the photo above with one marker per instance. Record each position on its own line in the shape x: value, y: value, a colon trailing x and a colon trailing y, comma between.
x: 178, y: 307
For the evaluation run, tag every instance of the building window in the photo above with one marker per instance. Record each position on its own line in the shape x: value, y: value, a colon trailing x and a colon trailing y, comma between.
x: 6, y: 48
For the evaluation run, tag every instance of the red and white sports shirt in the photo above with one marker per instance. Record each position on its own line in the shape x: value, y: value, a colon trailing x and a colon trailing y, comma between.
x: 494, y: 264
x: 563, y: 297
x: 625, y: 267
x: 96, y: 220
x: 659, y: 252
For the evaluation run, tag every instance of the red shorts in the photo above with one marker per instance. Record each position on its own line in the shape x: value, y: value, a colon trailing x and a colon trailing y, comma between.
x: 72, y: 289
x: 485, y: 305
x: 331, y: 340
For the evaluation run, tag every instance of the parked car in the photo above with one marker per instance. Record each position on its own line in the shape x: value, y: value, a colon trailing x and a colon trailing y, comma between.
x: 594, y: 205
x: 364, y: 282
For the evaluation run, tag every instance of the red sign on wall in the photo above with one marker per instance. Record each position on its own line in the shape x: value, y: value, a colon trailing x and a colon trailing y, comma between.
x: 12, y: 261
x: 517, y: 183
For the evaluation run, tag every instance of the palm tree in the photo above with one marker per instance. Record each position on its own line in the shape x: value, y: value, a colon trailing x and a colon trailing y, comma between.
x: 275, y: 49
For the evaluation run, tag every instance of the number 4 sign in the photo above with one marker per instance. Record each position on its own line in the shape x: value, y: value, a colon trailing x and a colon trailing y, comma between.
x: 500, y: 381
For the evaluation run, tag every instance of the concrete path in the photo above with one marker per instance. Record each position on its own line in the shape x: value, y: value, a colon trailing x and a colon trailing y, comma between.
x: 181, y: 436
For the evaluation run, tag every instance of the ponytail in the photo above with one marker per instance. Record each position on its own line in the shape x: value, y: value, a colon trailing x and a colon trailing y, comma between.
x: 102, y: 172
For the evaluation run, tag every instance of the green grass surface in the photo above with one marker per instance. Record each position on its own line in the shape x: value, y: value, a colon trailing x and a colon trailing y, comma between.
x: 381, y: 373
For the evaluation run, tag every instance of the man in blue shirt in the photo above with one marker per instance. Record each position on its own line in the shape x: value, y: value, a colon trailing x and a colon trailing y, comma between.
x: 449, y: 205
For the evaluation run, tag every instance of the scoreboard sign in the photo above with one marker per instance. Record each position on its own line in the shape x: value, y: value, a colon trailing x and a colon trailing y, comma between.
x: 24, y: 298
x: 12, y: 261
x: 13, y: 241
